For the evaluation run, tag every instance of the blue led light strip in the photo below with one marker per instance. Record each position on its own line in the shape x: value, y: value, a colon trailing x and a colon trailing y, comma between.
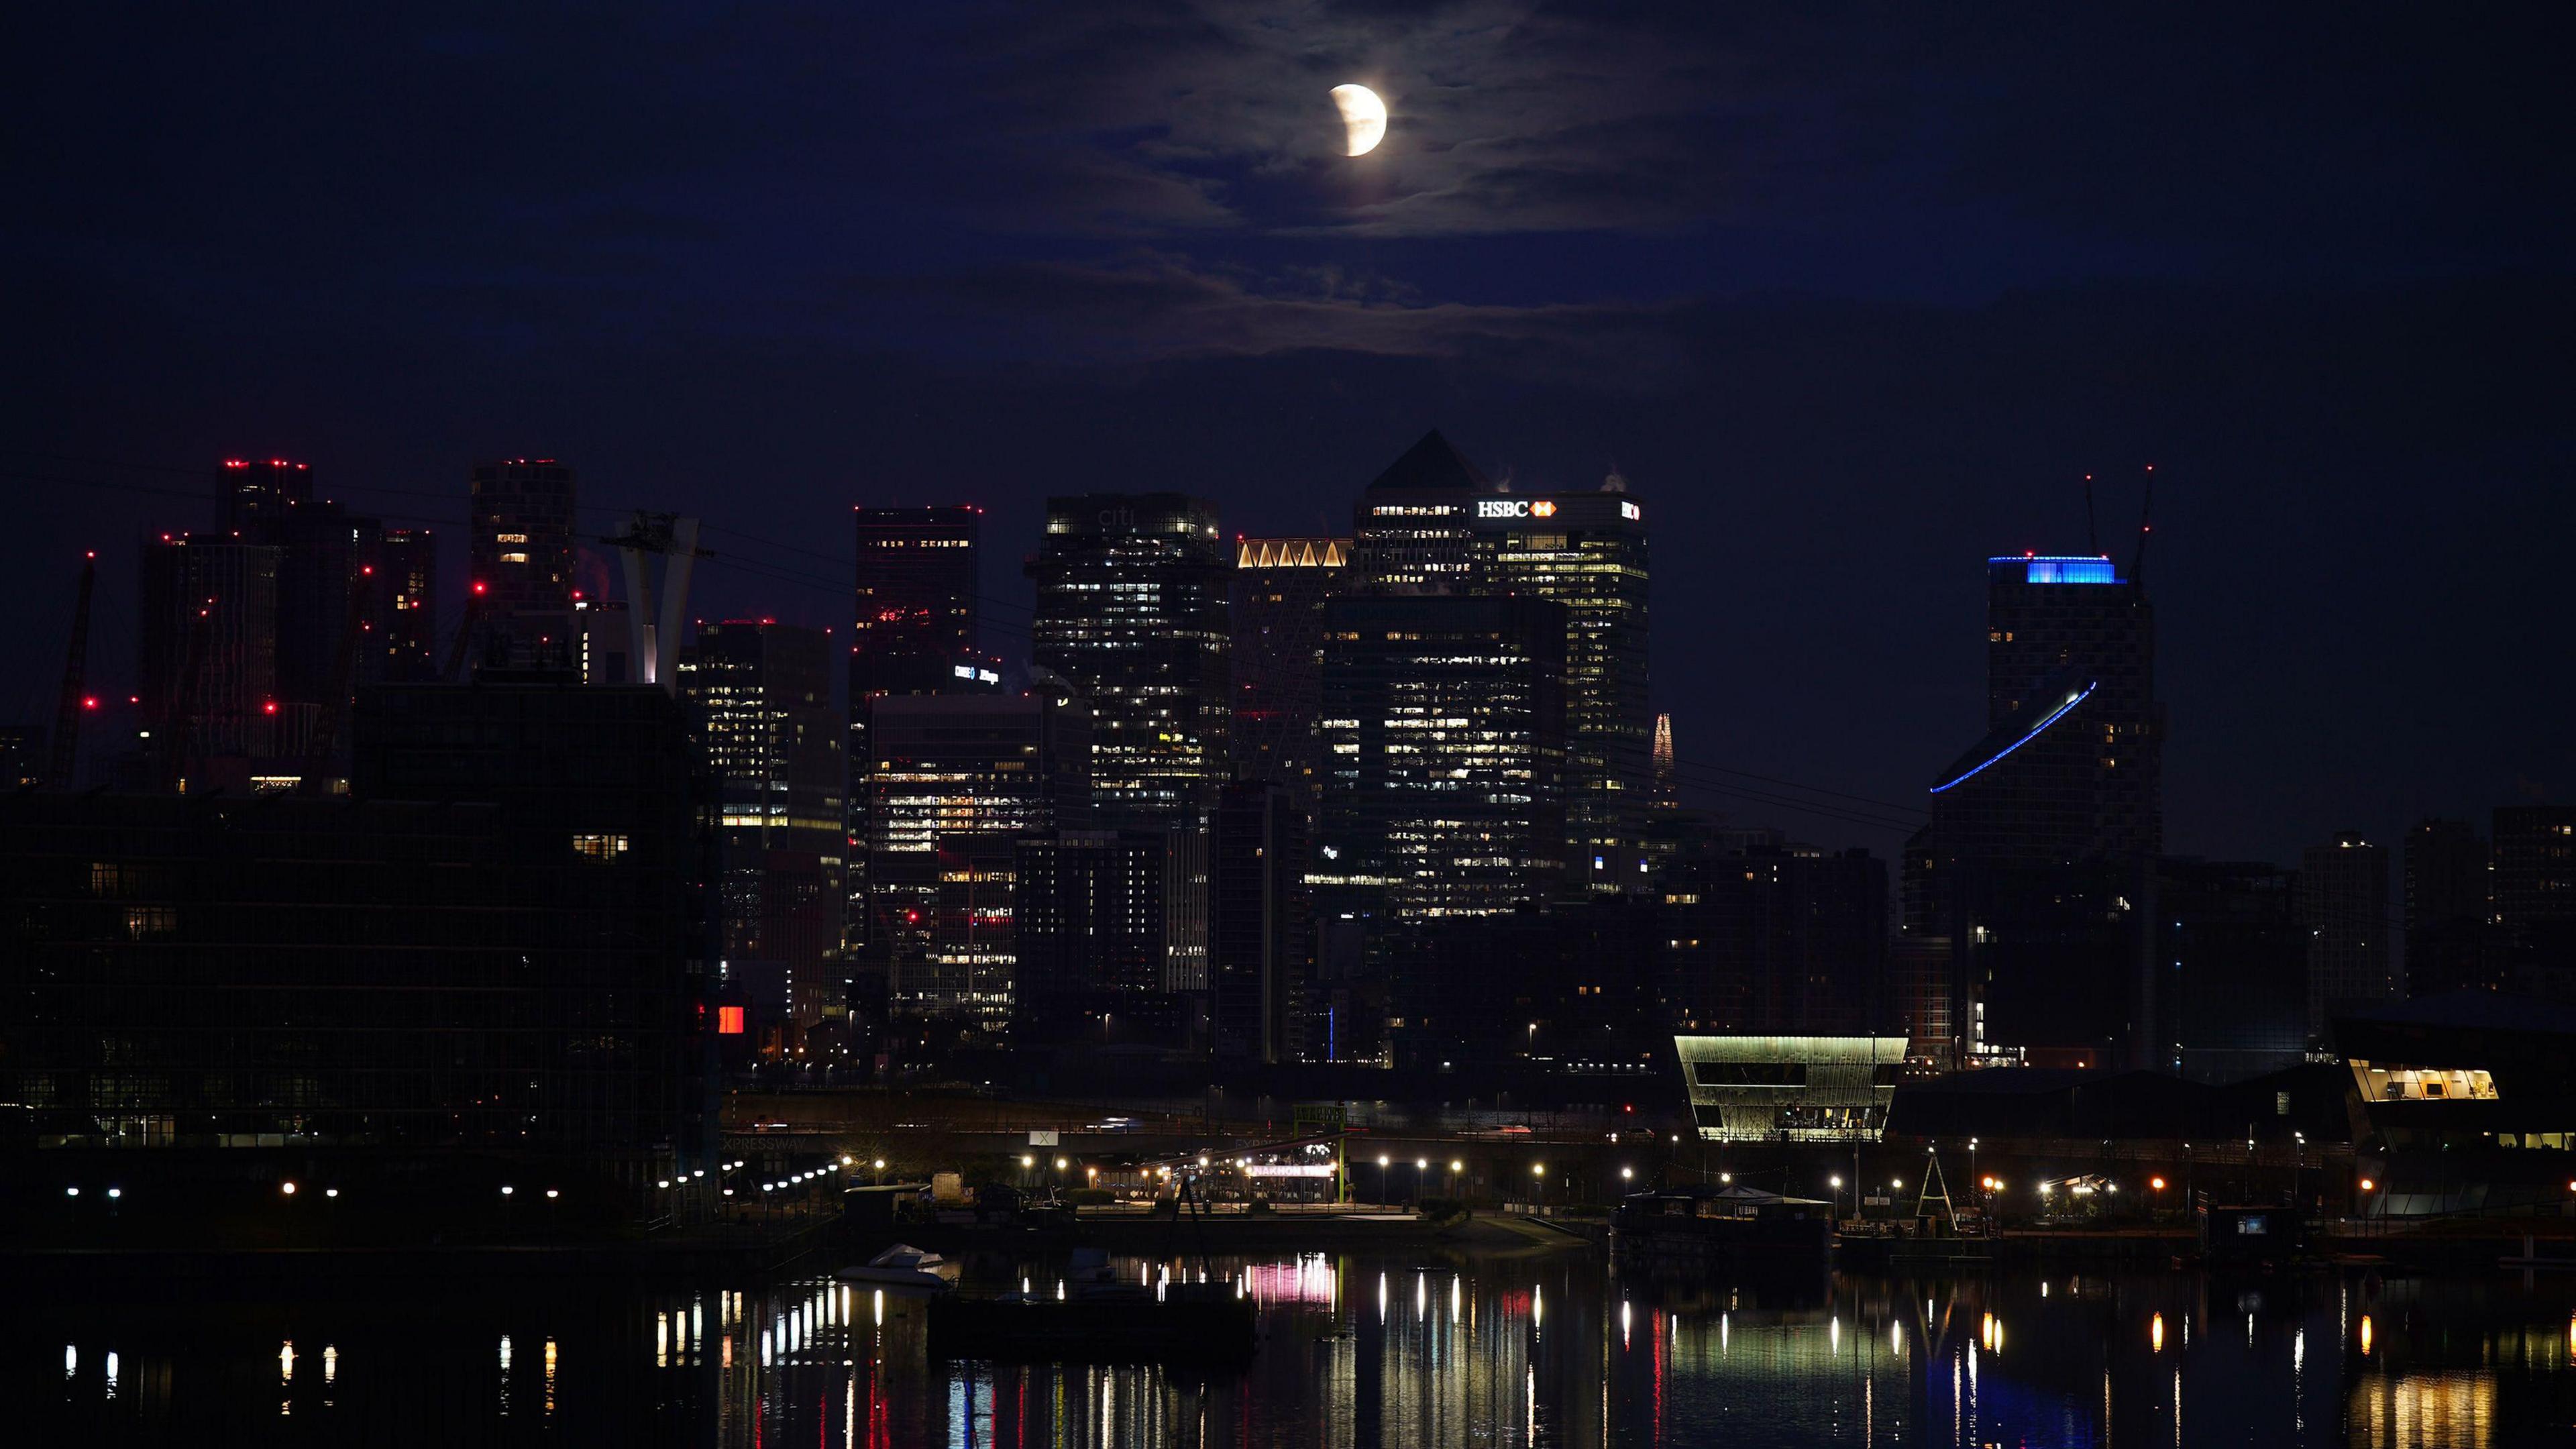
x: 2053, y: 717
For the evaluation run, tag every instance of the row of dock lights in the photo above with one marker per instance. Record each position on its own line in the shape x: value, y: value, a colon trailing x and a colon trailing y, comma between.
x: 112, y: 1194
x: 506, y: 1191
x: 284, y: 1189
x: 683, y: 1179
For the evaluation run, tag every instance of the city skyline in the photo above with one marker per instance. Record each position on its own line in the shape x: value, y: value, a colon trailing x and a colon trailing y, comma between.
x: 1899, y: 304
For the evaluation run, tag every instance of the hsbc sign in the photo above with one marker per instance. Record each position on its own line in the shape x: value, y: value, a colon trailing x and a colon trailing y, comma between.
x: 1515, y: 508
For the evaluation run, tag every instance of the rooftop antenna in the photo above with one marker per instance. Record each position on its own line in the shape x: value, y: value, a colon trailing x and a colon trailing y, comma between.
x: 2092, y: 536
x: 2146, y: 525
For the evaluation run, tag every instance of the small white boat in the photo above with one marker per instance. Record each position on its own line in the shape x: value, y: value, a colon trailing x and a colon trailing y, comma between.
x: 904, y: 1266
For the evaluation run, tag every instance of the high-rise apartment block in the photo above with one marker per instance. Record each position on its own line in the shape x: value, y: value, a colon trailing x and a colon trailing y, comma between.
x: 521, y: 554
x: 2534, y: 855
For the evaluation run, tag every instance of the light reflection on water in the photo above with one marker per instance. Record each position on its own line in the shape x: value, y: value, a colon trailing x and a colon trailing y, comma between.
x: 1365, y: 1350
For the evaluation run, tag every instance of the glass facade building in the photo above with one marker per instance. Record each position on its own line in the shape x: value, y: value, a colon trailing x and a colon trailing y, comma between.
x: 1133, y: 611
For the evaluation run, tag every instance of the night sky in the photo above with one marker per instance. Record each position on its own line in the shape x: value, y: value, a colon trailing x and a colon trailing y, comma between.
x: 1852, y: 303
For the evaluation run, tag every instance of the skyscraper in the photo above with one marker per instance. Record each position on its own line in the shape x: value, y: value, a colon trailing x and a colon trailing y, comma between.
x: 1587, y: 551
x: 522, y: 551
x: 405, y: 614
x: 759, y: 698
x: 2343, y: 896
x: 957, y: 779
x: 2037, y: 866
x: 206, y: 649
x: 1132, y: 611
x: 1770, y: 936
x: 1415, y: 527
x: 2450, y: 936
x: 1261, y: 923
x: 1103, y: 918
x: 913, y: 616
x: 1280, y: 588
x: 1443, y: 723
x: 914, y: 610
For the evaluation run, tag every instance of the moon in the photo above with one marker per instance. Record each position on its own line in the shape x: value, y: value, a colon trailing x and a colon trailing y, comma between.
x: 1363, y: 115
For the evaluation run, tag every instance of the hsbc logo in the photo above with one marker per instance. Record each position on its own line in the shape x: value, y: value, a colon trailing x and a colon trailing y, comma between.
x: 1515, y: 508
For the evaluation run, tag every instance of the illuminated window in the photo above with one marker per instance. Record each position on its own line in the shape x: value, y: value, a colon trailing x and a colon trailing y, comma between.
x: 728, y: 1021
x: 599, y: 847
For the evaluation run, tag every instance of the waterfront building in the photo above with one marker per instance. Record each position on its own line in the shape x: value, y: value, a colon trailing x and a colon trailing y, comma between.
x: 1111, y: 930
x: 2534, y: 860
x: 1762, y: 1088
x: 1768, y: 936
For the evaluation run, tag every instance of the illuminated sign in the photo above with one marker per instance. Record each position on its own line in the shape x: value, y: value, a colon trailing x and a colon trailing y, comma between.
x: 1515, y: 508
x: 1631, y: 511
x: 728, y: 1021
x: 980, y: 676
x: 1289, y: 1169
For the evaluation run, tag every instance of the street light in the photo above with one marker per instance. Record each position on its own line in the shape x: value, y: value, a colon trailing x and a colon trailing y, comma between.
x: 1837, y: 1203
x: 1455, y: 1167
x: 1420, y: 1166
x: 1381, y: 1179
x: 1539, y: 1170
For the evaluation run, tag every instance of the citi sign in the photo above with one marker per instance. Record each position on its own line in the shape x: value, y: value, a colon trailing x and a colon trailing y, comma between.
x: 1514, y: 508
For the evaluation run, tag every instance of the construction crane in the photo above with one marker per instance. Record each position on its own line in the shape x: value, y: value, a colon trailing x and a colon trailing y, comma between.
x: 75, y: 700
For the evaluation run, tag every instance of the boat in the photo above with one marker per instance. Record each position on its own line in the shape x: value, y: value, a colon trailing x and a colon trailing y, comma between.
x: 904, y: 1266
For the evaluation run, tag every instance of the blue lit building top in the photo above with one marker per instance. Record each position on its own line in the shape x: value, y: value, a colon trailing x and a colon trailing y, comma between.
x: 2055, y: 568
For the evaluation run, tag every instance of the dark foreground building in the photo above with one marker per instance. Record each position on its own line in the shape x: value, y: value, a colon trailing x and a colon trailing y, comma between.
x: 486, y: 966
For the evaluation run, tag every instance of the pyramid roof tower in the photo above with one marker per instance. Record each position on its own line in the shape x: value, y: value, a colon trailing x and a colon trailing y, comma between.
x: 1432, y: 465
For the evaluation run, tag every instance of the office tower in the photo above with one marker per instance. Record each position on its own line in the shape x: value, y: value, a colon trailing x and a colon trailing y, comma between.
x: 953, y: 775
x: 206, y: 650
x: 2534, y: 855
x: 915, y: 600
x: 1261, y: 923
x: 1443, y: 729
x: 2232, y: 949
x: 1280, y: 588
x: 1132, y: 611
x: 2343, y: 895
x: 1414, y: 530
x: 1587, y: 551
x: 2037, y: 863
x: 1766, y: 935
x: 759, y: 698
x: 1104, y: 919
x: 2450, y: 937
x: 913, y: 617
x: 1569, y: 989
x: 521, y: 554
x: 404, y: 616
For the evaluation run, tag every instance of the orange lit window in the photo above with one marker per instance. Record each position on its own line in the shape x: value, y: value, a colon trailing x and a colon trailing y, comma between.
x: 728, y: 1021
